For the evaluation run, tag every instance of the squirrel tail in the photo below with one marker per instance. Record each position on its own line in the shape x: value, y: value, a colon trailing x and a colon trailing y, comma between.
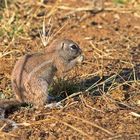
x: 7, y: 103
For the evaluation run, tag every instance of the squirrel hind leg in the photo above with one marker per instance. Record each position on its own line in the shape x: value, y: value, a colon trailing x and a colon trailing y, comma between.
x: 17, y: 90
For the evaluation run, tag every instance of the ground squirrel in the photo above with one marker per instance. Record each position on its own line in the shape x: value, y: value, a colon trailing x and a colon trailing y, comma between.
x: 33, y: 73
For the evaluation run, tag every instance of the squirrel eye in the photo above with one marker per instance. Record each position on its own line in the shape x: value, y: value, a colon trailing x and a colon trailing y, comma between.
x: 74, y: 47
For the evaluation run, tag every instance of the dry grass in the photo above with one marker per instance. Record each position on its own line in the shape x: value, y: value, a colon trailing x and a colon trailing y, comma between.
x: 102, y: 95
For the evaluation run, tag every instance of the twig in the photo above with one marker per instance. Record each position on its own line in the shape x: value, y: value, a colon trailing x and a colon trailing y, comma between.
x: 122, y: 10
x: 76, y: 129
x: 135, y: 114
x: 34, y: 123
x: 8, y: 134
x: 92, y: 107
x: 51, y: 37
x: 53, y: 9
x: 89, y: 8
x: 92, y: 124
x: 6, y: 5
x: 88, y: 89
x: 7, y: 53
x: 52, y: 119
x: 62, y: 7
x: 13, y: 124
x: 121, y: 136
x: 45, y: 39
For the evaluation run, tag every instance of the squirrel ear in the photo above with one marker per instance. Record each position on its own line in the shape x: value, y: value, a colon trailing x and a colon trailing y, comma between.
x: 62, y: 46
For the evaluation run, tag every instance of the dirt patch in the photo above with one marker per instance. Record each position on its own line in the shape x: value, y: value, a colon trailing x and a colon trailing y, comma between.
x: 107, y: 86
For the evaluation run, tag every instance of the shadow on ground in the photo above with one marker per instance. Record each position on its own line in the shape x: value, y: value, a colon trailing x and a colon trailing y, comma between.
x: 97, y: 85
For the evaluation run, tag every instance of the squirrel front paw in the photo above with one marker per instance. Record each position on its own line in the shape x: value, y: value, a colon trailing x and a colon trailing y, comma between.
x: 80, y: 59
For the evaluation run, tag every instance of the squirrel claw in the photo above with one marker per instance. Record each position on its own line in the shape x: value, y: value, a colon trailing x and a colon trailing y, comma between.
x: 54, y: 105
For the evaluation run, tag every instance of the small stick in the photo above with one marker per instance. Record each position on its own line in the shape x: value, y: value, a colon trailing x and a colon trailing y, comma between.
x: 92, y: 124
x: 8, y: 134
x: 76, y: 129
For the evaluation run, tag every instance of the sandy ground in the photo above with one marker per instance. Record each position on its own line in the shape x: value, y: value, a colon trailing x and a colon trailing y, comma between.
x: 104, y: 92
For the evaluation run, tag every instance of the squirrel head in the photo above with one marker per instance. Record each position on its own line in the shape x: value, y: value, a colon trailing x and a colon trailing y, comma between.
x: 65, y: 48
x: 69, y: 50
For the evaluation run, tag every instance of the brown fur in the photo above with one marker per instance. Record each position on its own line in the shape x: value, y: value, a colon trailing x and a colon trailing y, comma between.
x: 33, y: 74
